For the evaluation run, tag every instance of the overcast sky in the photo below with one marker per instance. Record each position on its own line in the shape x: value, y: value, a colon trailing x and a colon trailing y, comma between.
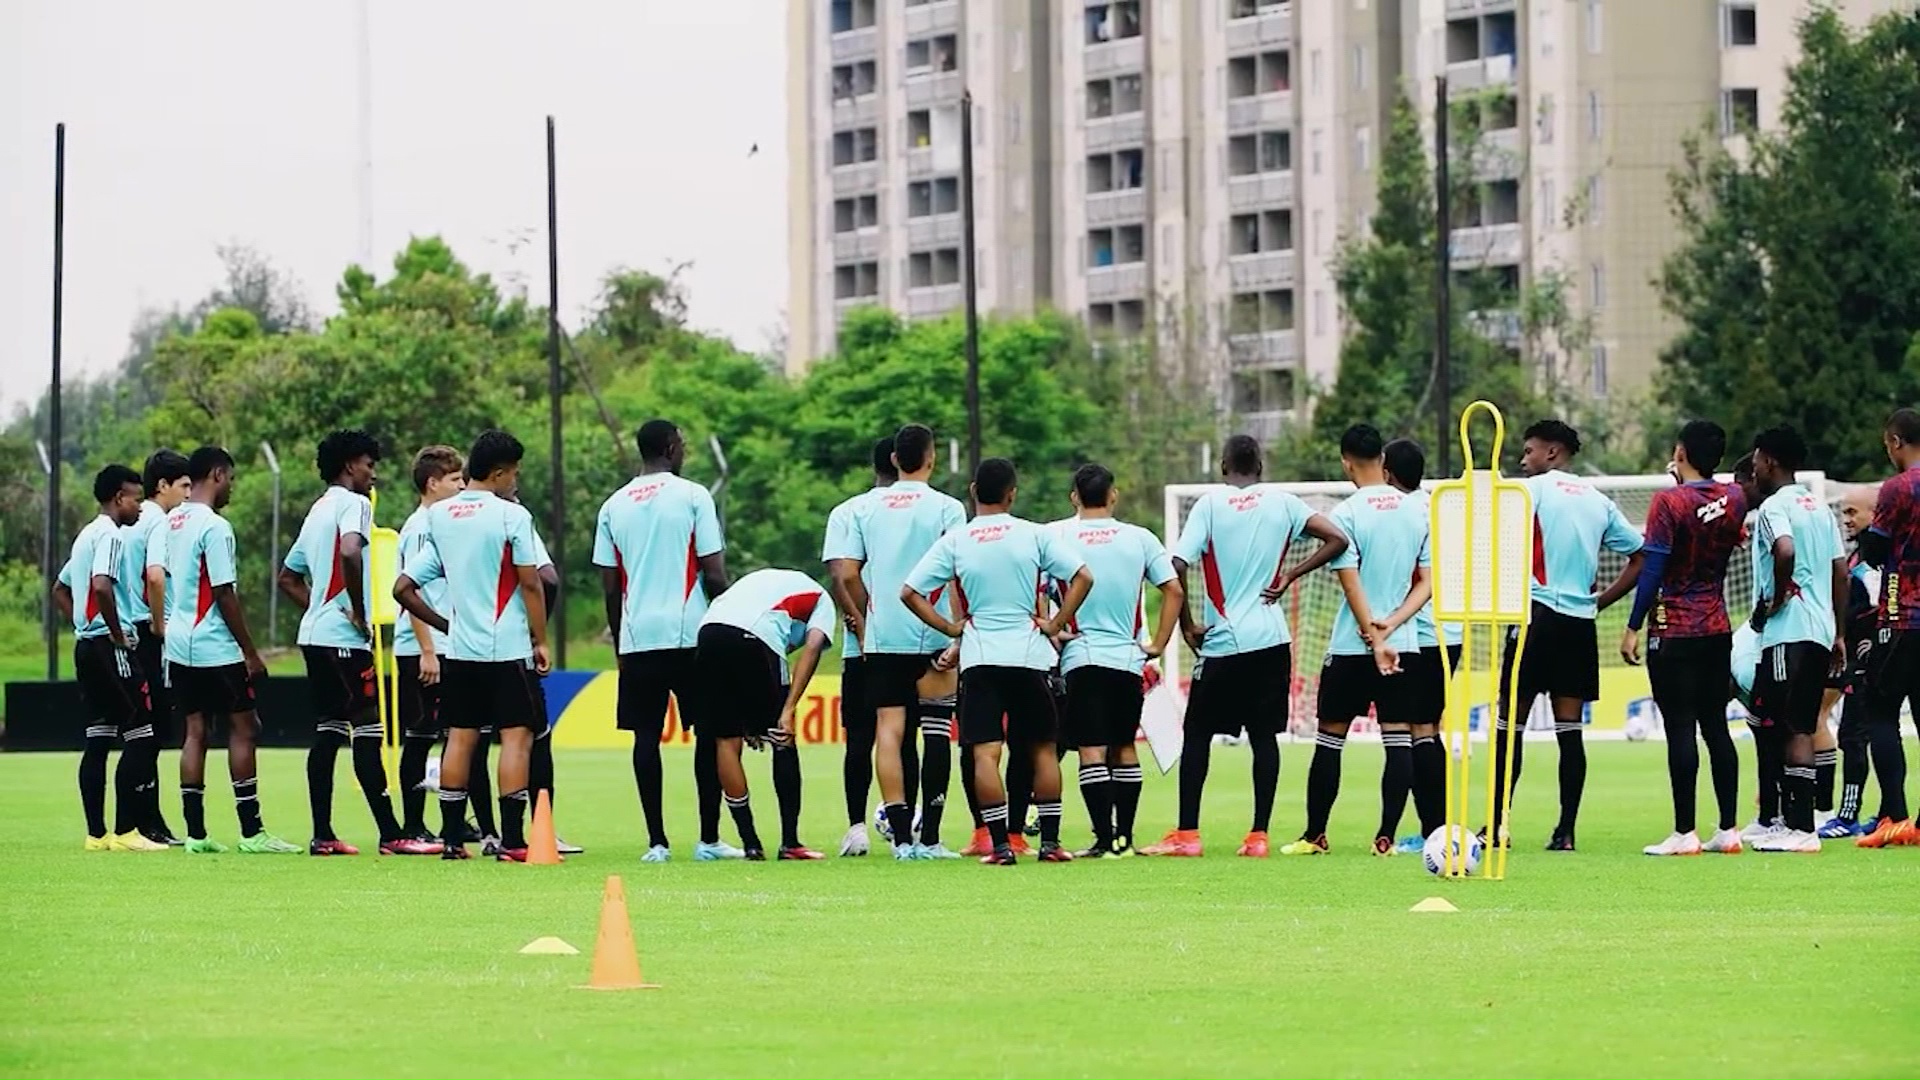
x: 194, y: 123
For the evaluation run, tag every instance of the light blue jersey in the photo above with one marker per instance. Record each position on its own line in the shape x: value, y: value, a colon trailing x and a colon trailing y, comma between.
x: 1386, y: 542
x: 99, y: 551
x: 1424, y: 622
x: 654, y: 532
x: 1239, y: 538
x: 1120, y: 557
x: 414, y: 538
x: 318, y: 555
x: 200, y: 558
x: 1000, y: 565
x: 1807, y: 616
x: 776, y: 606
x: 477, y: 543
x: 1572, y: 521
x: 838, y: 544
x: 137, y: 544
x: 892, y: 532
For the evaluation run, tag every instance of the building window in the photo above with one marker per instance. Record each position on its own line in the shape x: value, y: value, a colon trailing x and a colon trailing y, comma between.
x: 932, y: 55
x: 1116, y: 246
x: 845, y: 15
x: 1363, y: 148
x: 1543, y: 120
x: 1013, y: 123
x: 1319, y: 234
x: 1123, y: 170
x: 1267, y: 73
x: 1112, y: 22
x: 1548, y: 214
x: 1597, y: 286
x: 1262, y: 152
x: 1596, y: 199
x: 1597, y: 363
x: 1596, y: 25
x: 1739, y: 25
x: 1319, y: 313
x: 931, y: 269
x: 856, y: 147
x: 853, y: 80
x: 1359, y: 76
x: 1261, y: 312
x: 932, y: 198
x: 1739, y: 111
x: 1593, y: 115
x: 855, y: 280
x: 1262, y: 233
x: 859, y: 212
x: 1314, y: 141
x: 1114, y: 97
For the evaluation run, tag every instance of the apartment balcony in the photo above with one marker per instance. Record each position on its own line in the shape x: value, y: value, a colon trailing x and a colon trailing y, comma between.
x: 847, y: 303
x: 1111, y: 132
x: 933, y: 88
x: 861, y: 44
x: 1115, y: 57
x: 1465, y: 76
x: 923, y: 19
x: 1273, y: 26
x: 1114, y: 207
x: 1260, y: 191
x: 1502, y: 327
x: 932, y: 301
x: 1501, y: 155
x: 856, y: 112
x: 1261, y: 270
x: 1487, y: 245
x: 939, y: 230
x: 919, y: 162
x: 1260, y: 111
x: 857, y: 179
x: 1125, y: 281
x: 860, y: 245
x: 1270, y: 348
x: 1457, y: 8
x: 1265, y: 426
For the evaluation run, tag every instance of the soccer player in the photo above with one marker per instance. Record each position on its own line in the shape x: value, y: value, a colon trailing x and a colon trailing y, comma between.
x: 1766, y: 751
x: 1800, y: 567
x: 211, y: 661
x: 892, y: 531
x: 745, y: 692
x: 166, y: 487
x: 1383, y: 575
x: 1104, y: 659
x: 1572, y: 522
x: 111, y: 679
x: 326, y: 573
x: 662, y: 560
x: 857, y: 715
x: 1240, y: 535
x: 540, y: 756
x: 1893, y: 675
x: 418, y: 649
x: 1406, y: 464
x: 482, y: 544
x: 1859, y: 740
x: 1693, y: 531
x: 995, y: 561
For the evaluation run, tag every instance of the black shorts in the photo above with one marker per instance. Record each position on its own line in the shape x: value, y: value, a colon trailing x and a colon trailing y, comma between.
x: 1250, y: 690
x: 1429, y: 686
x: 1689, y: 677
x: 341, y: 683
x: 857, y: 714
x: 1893, y: 674
x: 149, y: 650
x: 211, y: 693
x: 1562, y: 661
x: 738, y: 690
x: 1006, y: 704
x: 646, y: 678
x: 418, y: 706
x: 1349, y: 685
x: 1788, y: 688
x: 893, y: 679
x: 478, y: 695
x: 112, y: 683
x: 1103, y: 706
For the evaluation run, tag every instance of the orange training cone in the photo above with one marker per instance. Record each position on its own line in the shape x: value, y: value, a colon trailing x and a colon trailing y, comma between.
x: 616, y: 963
x: 543, y: 849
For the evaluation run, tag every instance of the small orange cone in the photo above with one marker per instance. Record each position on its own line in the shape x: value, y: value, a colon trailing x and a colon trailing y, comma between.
x: 616, y: 963
x: 543, y: 849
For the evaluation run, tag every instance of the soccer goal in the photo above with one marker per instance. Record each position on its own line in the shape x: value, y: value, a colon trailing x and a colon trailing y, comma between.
x: 1625, y: 703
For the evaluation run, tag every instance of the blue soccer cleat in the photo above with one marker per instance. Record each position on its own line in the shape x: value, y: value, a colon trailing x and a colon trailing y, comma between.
x: 717, y: 852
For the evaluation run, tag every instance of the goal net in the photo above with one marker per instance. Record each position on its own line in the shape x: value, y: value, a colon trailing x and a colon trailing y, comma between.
x: 1313, y: 602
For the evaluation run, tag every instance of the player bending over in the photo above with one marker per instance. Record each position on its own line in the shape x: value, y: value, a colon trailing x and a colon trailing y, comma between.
x: 1572, y: 522
x: 1005, y: 651
x: 482, y: 545
x: 1374, y: 651
x: 1893, y: 668
x: 1240, y: 535
x: 166, y: 487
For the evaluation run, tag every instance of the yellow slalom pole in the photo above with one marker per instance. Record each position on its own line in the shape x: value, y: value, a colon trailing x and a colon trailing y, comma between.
x: 382, y: 553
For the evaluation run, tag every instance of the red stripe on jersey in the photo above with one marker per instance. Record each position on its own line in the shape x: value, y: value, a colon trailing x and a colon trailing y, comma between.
x: 93, y: 602
x: 339, y: 583
x: 935, y: 598
x: 959, y: 594
x: 1139, y: 614
x: 1216, y: 592
x: 205, y: 599
x: 1539, y: 554
x: 693, y: 569
x: 1280, y: 568
x: 799, y: 607
x: 620, y: 567
x: 509, y: 582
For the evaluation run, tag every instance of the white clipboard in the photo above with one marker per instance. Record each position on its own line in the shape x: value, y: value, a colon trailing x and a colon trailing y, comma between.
x: 1163, y: 721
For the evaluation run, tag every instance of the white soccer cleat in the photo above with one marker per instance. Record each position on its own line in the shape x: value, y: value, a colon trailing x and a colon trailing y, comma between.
x: 1791, y: 842
x: 1724, y: 842
x: 1676, y: 844
x: 855, y: 842
x: 1760, y: 830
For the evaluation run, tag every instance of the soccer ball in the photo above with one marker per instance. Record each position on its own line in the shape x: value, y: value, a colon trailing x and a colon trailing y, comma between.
x: 884, y: 830
x: 1466, y: 849
x: 432, y: 782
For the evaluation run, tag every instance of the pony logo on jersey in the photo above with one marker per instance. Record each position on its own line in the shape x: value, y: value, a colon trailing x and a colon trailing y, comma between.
x: 1243, y: 503
x: 1383, y: 502
x: 645, y: 492
x: 987, y: 534
x: 900, y: 500
x: 1713, y: 511
x: 463, y: 510
x: 1098, y: 536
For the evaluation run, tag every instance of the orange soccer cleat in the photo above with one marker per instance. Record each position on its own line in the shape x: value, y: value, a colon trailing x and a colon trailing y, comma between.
x: 1180, y: 843
x: 1254, y: 846
x: 982, y: 844
x: 1890, y: 833
x: 1018, y: 842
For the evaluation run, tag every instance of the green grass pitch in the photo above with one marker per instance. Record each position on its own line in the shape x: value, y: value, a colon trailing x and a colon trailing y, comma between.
x: 1600, y: 963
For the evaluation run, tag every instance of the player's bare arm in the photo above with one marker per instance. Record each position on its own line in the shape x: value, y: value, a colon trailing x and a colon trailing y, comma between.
x: 613, y: 598
x: 406, y: 593
x: 1783, y: 559
x: 63, y: 600
x: 533, y: 593
x: 429, y: 657
x: 802, y: 674
x: 155, y: 583
x: 1628, y: 578
x: 1076, y: 594
x: 924, y: 610
x: 1173, y: 602
x: 850, y: 595
x: 1190, y: 629
x: 1333, y: 543
x: 713, y: 573
x: 353, y: 558
x: 1840, y: 599
x: 294, y: 588
x: 227, y: 599
x: 102, y: 589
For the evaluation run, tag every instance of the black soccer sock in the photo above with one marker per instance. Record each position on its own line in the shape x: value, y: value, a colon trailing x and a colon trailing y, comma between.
x: 480, y: 787
x: 909, y: 764
x: 1890, y: 765
x: 856, y: 773
x: 706, y: 785
x: 1019, y: 787
x: 1723, y: 761
x: 246, y: 804
x: 1504, y: 786
x: 513, y: 820
x: 1323, y: 782
x: 1430, y: 783
x: 1854, y: 762
x: 743, y: 821
x: 995, y: 815
x: 327, y: 742
x: 372, y: 774
x: 154, y: 793
x: 1126, y: 800
x: 1683, y: 770
x: 1573, y: 774
x: 414, y: 753
x: 1196, y: 753
x: 93, y: 777
x: 649, y: 776
x: 1266, y: 778
x: 1825, y: 764
x: 1769, y: 760
x: 1049, y: 811
x: 132, y: 780
x: 1396, y: 780
x: 453, y: 816
x: 540, y: 768
x: 1096, y: 784
x: 193, y: 807
x: 786, y: 790
x: 967, y: 788
x: 900, y: 823
x: 936, y: 770
x: 1797, y: 792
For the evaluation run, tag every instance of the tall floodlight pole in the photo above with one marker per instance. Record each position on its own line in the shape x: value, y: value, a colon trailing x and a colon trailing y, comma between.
x: 968, y: 282
x: 557, y: 526
x: 363, y: 88
x: 273, y: 565
x: 52, y: 560
x: 1442, y: 281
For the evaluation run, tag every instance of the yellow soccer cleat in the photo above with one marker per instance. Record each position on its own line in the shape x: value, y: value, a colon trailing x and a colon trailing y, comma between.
x: 1306, y: 846
x: 133, y: 841
x: 98, y: 843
